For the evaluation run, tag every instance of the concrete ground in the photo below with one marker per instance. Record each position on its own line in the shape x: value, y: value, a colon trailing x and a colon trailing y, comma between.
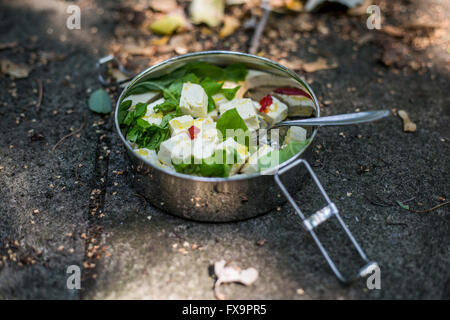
x: 75, y: 205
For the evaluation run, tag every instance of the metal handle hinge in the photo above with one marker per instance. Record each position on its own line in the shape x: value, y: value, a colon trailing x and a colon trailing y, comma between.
x: 321, y: 216
x: 101, y: 72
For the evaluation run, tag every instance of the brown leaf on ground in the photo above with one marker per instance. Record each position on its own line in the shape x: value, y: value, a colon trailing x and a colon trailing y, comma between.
x: 305, y: 23
x: 408, y: 125
x: 393, y: 31
x: 50, y: 56
x: 368, y: 37
x: 9, y: 45
x: 227, y: 273
x: 160, y: 41
x: 14, y: 70
x: 283, y: 6
x: 163, y: 5
x: 118, y: 75
x: 230, y: 24
x: 360, y: 10
x: 180, y: 43
x: 207, y: 11
x: 319, y: 64
x: 322, y: 27
x: 395, y: 54
x: 294, y: 5
x: 135, y: 50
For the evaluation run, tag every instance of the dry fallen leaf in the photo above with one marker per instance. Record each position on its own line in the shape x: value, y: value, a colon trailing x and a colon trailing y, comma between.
x: 50, y: 56
x: 163, y: 6
x: 284, y: 6
x: 305, y: 23
x: 180, y: 43
x: 393, y: 31
x: 14, y: 70
x: 168, y: 24
x: 408, y: 125
x: 294, y: 5
x: 360, y: 10
x: 9, y: 45
x: 228, y: 274
x: 319, y: 64
x: 160, y: 41
x: 298, y: 64
x: 395, y: 54
x: 230, y: 24
x: 207, y: 11
x: 135, y: 50
x: 322, y: 27
x: 118, y: 75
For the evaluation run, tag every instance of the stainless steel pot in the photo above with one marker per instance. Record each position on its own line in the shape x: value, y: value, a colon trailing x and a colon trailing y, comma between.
x: 237, y: 197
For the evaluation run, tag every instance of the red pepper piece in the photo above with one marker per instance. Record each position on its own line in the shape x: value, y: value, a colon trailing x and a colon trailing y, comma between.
x: 193, y: 131
x: 292, y: 92
x: 265, y: 103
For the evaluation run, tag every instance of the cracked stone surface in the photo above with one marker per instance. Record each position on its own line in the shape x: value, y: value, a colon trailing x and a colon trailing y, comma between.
x: 143, y: 253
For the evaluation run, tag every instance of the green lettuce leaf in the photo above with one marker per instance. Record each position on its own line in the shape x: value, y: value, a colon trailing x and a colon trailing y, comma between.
x: 229, y: 93
x: 208, y: 167
x: 230, y: 120
x: 276, y: 157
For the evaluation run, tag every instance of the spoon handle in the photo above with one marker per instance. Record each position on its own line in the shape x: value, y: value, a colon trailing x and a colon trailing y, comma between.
x: 337, y: 120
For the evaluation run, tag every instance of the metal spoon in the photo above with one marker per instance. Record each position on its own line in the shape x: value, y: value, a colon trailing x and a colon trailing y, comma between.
x: 337, y: 120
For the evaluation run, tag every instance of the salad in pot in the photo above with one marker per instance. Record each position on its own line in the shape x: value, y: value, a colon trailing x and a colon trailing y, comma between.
x: 212, y: 121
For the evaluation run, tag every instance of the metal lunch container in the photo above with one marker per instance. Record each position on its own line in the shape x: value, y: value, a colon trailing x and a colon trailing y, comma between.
x: 237, y: 197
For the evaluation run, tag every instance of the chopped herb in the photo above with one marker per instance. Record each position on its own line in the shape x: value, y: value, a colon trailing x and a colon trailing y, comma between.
x: 235, y: 72
x: 123, y: 110
x: 229, y: 93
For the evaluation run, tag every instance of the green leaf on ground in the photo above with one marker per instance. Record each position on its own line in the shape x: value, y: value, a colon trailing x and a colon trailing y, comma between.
x: 402, y: 205
x: 100, y: 102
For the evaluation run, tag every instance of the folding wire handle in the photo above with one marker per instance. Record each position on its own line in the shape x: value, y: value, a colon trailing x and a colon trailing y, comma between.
x: 321, y: 216
x: 101, y: 72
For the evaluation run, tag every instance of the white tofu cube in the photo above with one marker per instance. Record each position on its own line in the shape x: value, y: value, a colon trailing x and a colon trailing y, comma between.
x: 295, y: 133
x: 152, y: 157
x: 202, y: 149
x: 298, y: 105
x: 143, y: 97
x: 245, y: 109
x: 219, y: 100
x: 231, y: 146
x: 180, y: 125
x: 176, y: 149
x: 207, y: 128
x: 151, y: 116
x: 274, y: 113
x: 252, y: 164
x: 147, y: 154
x: 204, y: 122
x: 230, y: 84
x: 205, y: 141
x: 194, y: 100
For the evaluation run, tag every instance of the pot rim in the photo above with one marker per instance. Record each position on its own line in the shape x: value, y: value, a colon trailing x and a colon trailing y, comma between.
x: 200, y: 54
